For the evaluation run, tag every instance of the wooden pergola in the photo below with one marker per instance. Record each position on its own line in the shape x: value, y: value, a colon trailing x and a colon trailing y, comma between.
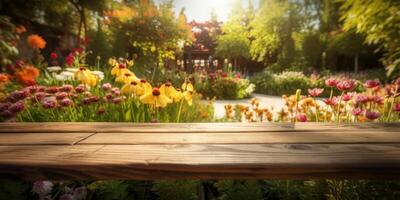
x: 89, y: 151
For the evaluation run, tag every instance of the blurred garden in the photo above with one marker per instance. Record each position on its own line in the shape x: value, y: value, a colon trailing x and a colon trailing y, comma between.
x: 146, y: 61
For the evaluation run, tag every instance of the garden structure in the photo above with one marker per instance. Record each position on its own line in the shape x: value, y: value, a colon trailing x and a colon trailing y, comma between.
x: 87, y: 151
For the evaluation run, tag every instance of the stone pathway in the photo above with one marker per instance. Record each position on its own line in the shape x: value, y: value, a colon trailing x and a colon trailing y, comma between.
x: 266, y: 101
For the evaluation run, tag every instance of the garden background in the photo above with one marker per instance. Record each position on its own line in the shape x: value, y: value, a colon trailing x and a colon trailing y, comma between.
x: 145, y: 61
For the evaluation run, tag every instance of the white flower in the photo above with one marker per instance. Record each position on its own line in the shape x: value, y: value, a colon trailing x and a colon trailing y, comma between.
x: 59, y: 77
x: 68, y: 75
x: 42, y: 188
x: 99, y: 74
x: 54, y: 69
x: 72, y: 69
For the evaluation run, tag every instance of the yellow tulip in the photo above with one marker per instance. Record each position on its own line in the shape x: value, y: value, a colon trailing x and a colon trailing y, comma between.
x: 132, y: 88
x: 156, y: 98
x: 85, y: 76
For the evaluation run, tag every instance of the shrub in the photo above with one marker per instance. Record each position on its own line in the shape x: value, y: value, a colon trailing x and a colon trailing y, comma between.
x: 226, y: 88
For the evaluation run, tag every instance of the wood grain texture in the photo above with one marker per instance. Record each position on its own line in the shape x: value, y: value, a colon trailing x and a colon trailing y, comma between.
x: 200, y: 161
x: 340, y: 137
x: 83, y: 151
x: 105, y: 127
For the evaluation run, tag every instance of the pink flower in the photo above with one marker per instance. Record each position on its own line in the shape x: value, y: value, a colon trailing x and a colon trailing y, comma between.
x: 396, y: 107
x: 40, y: 95
x: 361, y: 99
x: 346, y: 85
x: 67, y: 197
x: 42, y: 188
x: 116, y: 91
x: 53, y: 55
x: 4, y: 106
x: 101, y: 111
x: 372, y: 115
x: 357, y: 111
x: 6, y: 114
x: 106, y: 86
x: 80, y: 88
x: 331, y: 102
x: 371, y: 83
x: 331, y: 82
x: 315, y: 92
x: 378, y: 99
x: 61, y: 95
x: 52, y: 90
x: 237, y: 75
x: 49, y: 104
x: 66, y: 102
x: 117, y: 100
x: 66, y: 88
x: 346, y: 97
x: 301, y: 118
x: 17, y: 107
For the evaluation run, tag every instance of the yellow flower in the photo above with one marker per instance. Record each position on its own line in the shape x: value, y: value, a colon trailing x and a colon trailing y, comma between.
x: 85, y: 76
x: 188, y: 97
x: 171, y: 92
x: 132, y: 88
x: 187, y: 86
x: 156, y: 98
x: 145, y: 85
x: 127, y: 77
x: 119, y: 69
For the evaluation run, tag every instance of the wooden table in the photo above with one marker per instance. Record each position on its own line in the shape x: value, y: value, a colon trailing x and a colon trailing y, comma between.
x: 91, y: 151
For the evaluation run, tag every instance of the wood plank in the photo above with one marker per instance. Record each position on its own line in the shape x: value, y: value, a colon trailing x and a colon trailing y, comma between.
x: 193, y: 127
x: 244, y: 138
x: 42, y: 138
x: 61, y: 162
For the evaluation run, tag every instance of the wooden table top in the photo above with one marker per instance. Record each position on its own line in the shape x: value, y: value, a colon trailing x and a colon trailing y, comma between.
x: 103, y: 151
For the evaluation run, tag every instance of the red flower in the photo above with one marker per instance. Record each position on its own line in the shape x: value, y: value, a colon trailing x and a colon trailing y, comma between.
x: 331, y: 102
x: 371, y: 84
x: 357, y: 111
x: 372, y: 115
x: 396, y: 107
x: 69, y: 59
x: 301, y: 118
x: 53, y: 55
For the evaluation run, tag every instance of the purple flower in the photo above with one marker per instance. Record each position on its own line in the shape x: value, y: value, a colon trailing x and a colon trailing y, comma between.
x: 116, y: 91
x: 42, y: 188
x: 66, y: 102
x: 6, y: 114
x: 66, y: 88
x: 32, y: 89
x: 18, y: 95
x: 80, y: 193
x: 49, y: 104
x: 86, y: 101
x: 301, y: 118
x: 331, y: 82
x: 117, y: 100
x: 346, y: 85
x: 40, y: 95
x: 52, y: 90
x: 371, y: 83
x: 94, y: 99
x: 372, y: 115
x: 315, y: 92
x: 106, y: 87
x: 357, y: 111
x: 17, y: 107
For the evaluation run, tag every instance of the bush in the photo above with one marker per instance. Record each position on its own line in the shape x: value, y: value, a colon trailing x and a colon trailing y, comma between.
x: 284, y: 83
x: 226, y: 88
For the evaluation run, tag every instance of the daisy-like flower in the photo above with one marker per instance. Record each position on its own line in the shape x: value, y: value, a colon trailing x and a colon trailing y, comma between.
x: 187, y: 86
x: 145, y: 85
x: 126, y: 77
x: 357, y: 111
x: 331, y: 82
x: 132, y: 88
x: 156, y: 98
x: 119, y: 69
x: 171, y: 92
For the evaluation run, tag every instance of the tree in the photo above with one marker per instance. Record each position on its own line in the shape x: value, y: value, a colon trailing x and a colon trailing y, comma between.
x: 234, y: 42
x: 380, y: 22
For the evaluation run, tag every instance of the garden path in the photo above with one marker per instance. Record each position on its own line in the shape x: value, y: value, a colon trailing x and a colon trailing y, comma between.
x: 273, y: 103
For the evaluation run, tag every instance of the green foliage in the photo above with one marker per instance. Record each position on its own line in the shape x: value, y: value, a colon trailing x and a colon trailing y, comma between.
x: 226, y: 88
x: 239, y: 190
x: 10, y: 189
x: 176, y: 190
x: 8, y: 51
x: 111, y: 190
x: 379, y: 22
